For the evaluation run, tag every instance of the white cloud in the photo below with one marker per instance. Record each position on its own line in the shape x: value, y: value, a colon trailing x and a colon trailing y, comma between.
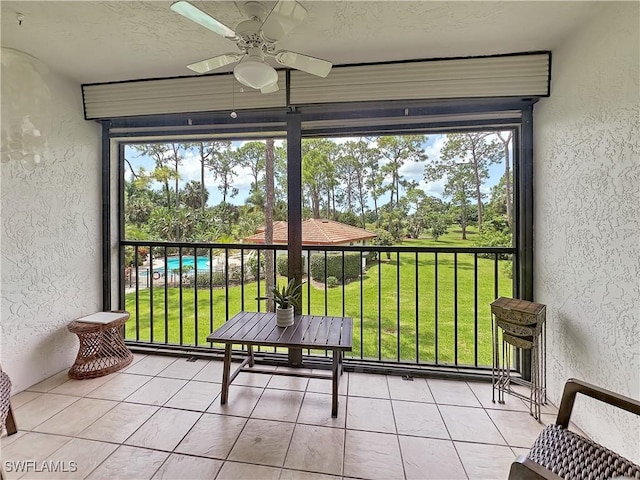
x: 435, y: 189
x: 434, y: 150
x: 412, y: 170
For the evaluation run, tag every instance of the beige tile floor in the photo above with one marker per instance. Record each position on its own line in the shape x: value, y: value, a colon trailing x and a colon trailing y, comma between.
x: 161, y: 418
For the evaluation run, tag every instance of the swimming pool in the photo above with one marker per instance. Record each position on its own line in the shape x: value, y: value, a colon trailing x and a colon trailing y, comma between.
x: 173, y: 263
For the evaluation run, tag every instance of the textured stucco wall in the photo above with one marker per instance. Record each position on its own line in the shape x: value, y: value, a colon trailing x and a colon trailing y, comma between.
x: 587, y: 233
x: 51, y: 267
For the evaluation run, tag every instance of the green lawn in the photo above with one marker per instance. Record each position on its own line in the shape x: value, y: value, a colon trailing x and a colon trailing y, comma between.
x: 388, y: 332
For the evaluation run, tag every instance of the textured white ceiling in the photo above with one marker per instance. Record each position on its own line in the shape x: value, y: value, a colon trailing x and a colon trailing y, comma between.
x: 101, y: 41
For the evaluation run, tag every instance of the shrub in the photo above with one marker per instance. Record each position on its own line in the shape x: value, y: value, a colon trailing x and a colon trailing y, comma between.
x: 507, y: 269
x: 334, y: 266
x: 438, y: 229
x: 235, y: 274
x: 129, y: 256
x: 204, y: 280
x: 252, y: 265
x: 282, y: 265
x: 384, y: 238
x: 332, y: 282
x: 493, y: 237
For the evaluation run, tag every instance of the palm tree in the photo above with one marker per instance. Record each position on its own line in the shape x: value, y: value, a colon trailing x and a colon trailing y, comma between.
x: 193, y: 196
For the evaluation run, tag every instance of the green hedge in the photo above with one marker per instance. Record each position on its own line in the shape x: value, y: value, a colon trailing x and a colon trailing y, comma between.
x: 204, y: 280
x: 282, y: 265
x: 334, y: 266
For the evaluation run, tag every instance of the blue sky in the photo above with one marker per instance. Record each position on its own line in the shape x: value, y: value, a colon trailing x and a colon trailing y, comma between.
x: 190, y: 170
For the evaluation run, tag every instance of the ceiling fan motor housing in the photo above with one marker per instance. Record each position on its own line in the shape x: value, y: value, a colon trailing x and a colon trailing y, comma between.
x: 249, y: 33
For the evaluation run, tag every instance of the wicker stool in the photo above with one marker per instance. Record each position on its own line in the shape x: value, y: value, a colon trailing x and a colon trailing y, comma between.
x: 102, y: 350
x: 522, y: 324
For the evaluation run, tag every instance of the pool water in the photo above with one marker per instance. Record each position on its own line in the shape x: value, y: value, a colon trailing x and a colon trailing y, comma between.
x: 173, y: 263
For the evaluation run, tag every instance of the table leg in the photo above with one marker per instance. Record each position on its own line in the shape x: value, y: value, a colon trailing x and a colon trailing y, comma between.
x: 225, y: 374
x: 251, y: 359
x: 335, y: 378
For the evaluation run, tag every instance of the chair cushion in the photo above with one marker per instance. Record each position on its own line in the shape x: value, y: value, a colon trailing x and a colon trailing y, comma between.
x: 5, y: 397
x: 572, y: 456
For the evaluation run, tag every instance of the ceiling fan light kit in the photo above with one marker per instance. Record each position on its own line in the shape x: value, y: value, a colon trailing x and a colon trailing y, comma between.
x: 253, y: 72
x: 256, y: 38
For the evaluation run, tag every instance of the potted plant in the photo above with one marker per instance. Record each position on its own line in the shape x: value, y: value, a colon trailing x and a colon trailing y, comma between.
x: 286, y: 299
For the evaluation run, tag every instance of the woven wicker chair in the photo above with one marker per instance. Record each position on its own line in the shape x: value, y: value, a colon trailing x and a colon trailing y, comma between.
x: 560, y: 454
x: 6, y: 414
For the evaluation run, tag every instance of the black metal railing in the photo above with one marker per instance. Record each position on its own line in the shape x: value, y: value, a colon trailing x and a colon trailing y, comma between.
x: 410, y: 305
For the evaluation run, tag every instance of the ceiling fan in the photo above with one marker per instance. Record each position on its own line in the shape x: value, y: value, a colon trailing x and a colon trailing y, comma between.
x: 256, y: 38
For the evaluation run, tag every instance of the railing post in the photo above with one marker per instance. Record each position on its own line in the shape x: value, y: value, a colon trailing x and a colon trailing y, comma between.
x: 294, y: 200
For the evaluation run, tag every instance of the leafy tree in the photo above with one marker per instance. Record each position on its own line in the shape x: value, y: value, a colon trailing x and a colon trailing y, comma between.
x: 251, y: 155
x: 256, y: 200
x: 137, y: 210
x: 497, y: 205
x: 370, y: 217
x: 207, y: 153
x: 374, y: 184
x: 193, y: 196
x: 506, y: 142
x: 225, y: 215
x: 280, y: 176
x: 166, y: 224
x: 362, y: 163
x: 475, y: 150
x: 349, y: 218
x: 395, y: 217
x: 248, y: 223
x: 224, y: 172
x: 496, y: 233
x: 460, y: 188
x: 436, y: 216
x: 383, y: 238
x: 176, y: 158
x: 133, y: 232
x: 317, y: 175
x: 348, y: 169
x: 397, y: 151
x: 415, y: 216
x: 159, y: 152
x: 139, y: 199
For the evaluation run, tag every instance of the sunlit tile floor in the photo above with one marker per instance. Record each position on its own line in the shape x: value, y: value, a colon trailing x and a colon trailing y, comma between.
x: 161, y: 418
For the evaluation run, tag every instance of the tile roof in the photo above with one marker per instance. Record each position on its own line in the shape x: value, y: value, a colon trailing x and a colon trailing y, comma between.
x: 277, y: 224
x: 315, y: 231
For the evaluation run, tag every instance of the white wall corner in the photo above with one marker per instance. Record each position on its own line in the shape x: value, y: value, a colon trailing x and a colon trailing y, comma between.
x: 587, y: 193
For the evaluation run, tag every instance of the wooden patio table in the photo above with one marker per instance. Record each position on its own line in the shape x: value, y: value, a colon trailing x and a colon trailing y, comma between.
x: 308, y: 331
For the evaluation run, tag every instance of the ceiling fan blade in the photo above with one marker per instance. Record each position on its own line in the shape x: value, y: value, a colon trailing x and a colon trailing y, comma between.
x: 194, y: 14
x: 216, y: 62
x: 312, y: 65
x: 284, y: 16
x: 270, y: 88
